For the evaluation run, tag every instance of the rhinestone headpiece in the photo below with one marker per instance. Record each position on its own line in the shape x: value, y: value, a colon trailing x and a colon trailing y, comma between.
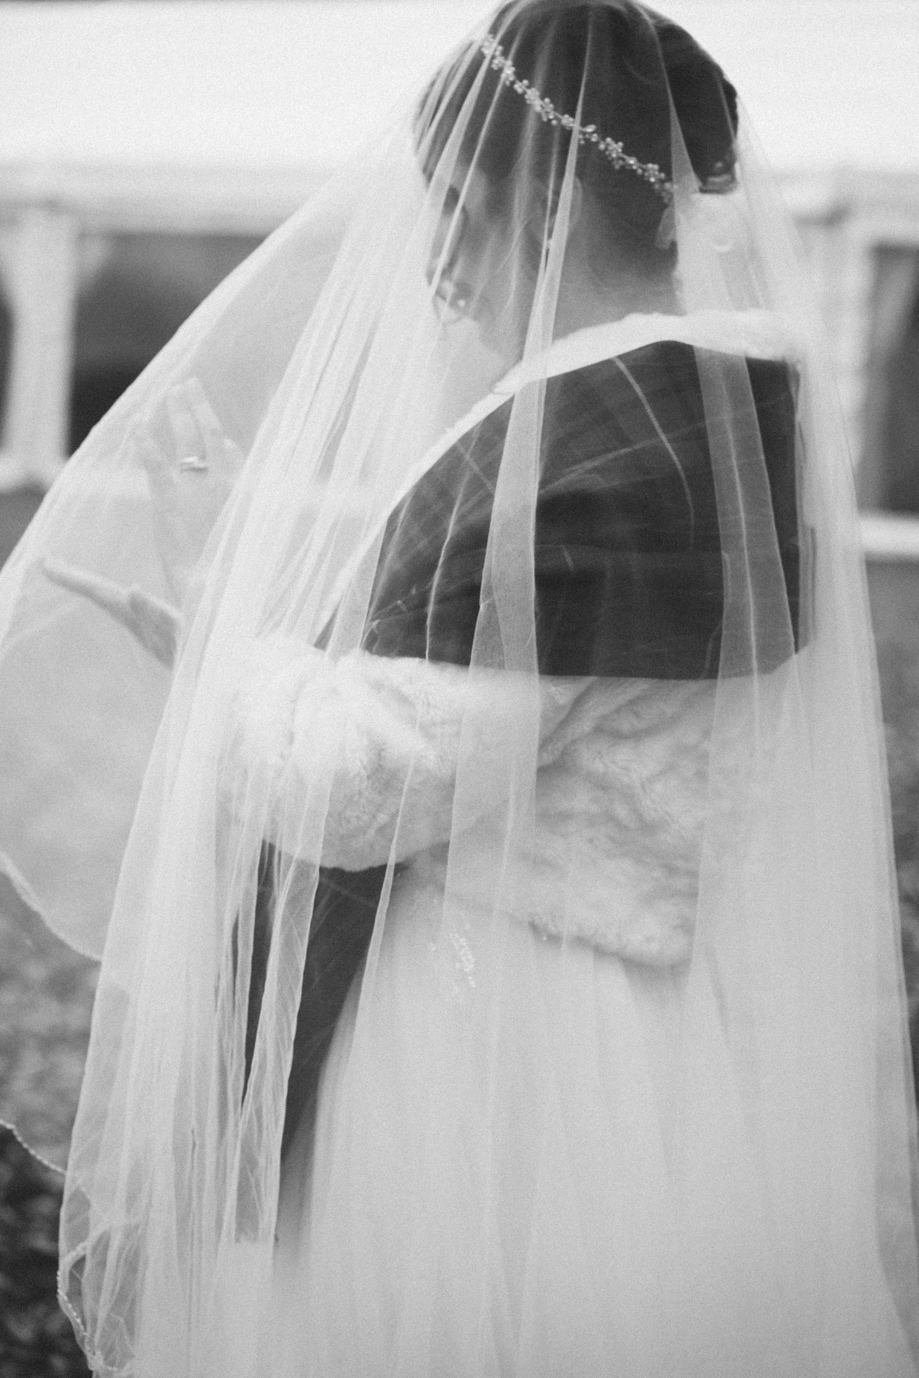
x: 586, y: 134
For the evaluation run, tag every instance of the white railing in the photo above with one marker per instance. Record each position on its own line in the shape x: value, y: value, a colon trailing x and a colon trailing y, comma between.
x: 39, y: 267
x: 40, y: 262
x: 889, y: 538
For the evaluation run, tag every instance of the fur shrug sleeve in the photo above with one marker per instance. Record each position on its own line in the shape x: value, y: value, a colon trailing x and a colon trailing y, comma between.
x: 363, y: 751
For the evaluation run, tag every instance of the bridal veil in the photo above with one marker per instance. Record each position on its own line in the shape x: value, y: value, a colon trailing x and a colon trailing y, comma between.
x: 522, y: 426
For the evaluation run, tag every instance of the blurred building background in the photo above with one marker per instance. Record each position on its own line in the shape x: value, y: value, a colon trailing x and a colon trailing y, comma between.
x: 146, y: 147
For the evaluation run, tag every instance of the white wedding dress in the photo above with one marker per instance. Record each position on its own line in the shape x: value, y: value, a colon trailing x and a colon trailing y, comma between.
x: 632, y: 1234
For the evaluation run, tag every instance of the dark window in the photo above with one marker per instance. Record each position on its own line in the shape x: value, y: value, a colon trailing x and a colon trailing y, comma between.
x: 136, y: 290
x: 6, y: 333
x: 889, y: 468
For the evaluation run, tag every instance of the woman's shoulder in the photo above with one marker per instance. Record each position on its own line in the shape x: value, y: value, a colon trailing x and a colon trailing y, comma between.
x: 751, y: 334
x: 655, y: 354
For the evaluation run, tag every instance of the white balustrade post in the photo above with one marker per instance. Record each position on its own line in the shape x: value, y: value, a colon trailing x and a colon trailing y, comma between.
x: 39, y: 262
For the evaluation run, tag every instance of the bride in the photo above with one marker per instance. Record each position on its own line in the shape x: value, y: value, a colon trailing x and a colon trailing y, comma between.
x: 453, y: 685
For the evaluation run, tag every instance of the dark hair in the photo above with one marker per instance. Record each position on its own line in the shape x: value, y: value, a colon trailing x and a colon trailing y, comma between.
x: 619, y: 66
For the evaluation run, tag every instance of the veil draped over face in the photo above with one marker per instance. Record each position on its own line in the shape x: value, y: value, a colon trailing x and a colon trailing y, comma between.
x: 441, y: 691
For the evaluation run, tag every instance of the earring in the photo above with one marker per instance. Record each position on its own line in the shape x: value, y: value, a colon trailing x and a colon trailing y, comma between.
x: 666, y: 230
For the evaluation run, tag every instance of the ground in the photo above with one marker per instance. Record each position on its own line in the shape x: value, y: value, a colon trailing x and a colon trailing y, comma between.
x: 45, y: 1004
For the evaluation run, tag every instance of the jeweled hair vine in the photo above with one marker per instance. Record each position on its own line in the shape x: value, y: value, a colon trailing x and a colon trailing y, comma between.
x: 587, y: 134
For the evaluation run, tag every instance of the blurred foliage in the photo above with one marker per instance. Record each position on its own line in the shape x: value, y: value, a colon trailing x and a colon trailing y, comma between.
x: 899, y: 664
x: 36, y: 1340
x: 46, y: 993
x: 45, y: 1002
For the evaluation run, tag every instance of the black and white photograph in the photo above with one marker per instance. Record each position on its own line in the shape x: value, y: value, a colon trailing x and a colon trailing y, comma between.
x: 459, y: 689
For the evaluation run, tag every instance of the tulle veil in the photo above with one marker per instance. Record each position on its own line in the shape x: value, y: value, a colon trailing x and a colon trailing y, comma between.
x: 291, y: 660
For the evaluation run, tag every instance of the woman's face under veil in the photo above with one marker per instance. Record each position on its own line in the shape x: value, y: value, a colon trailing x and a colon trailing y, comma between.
x: 478, y: 263
x: 497, y: 247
